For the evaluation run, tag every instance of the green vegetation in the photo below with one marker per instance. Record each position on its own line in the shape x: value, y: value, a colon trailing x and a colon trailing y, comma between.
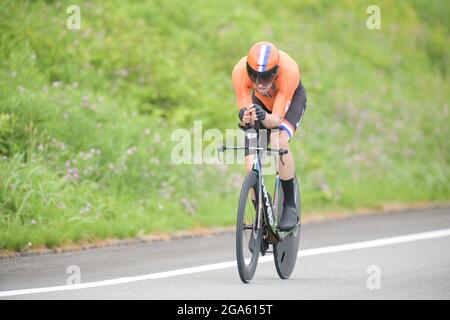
x: 86, y: 116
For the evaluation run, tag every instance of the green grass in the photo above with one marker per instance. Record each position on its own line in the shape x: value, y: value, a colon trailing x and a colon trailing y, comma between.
x: 86, y: 116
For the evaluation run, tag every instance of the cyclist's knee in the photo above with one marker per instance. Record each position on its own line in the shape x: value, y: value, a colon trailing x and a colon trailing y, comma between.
x: 279, y: 140
x: 283, y: 139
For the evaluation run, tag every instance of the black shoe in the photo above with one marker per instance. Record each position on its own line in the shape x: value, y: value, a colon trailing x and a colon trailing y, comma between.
x: 289, y: 219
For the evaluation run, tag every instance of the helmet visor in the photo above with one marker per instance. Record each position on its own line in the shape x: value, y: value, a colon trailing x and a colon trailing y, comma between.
x: 264, y: 77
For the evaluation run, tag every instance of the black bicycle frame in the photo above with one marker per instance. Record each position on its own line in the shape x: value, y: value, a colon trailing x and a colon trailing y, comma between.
x: 264, y: 201
x: 262, y: 191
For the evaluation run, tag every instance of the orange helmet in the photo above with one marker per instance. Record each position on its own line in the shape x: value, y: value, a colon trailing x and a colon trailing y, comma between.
x: 262, y: 62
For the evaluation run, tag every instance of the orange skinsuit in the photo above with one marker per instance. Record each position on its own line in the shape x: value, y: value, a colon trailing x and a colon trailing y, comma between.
x: 278, y: 99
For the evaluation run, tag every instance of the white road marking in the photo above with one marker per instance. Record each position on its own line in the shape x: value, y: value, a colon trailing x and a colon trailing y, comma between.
x: 232, y: 264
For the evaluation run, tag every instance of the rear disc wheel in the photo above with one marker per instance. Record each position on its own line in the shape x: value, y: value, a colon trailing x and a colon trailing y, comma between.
x: 285, y: 251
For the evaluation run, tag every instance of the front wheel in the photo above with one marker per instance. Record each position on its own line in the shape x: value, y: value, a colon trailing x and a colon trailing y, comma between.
x: 248, y: 236
x: 285, y: 251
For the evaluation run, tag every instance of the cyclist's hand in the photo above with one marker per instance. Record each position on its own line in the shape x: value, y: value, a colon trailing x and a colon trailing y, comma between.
x: 242, y: 113
x: 247, y: 114
x: 259, y: 112
x: 252, y: 114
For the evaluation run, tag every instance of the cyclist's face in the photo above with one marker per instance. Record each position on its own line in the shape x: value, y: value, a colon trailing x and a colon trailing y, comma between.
x: 262, y: 80
x: 263, y: 88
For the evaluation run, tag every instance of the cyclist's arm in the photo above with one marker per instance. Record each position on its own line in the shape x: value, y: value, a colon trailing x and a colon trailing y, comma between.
x: 241, y: 87
x: 272, y: 120
x: 287, y: 84
x: 242, y: 90
x: 279, y: 107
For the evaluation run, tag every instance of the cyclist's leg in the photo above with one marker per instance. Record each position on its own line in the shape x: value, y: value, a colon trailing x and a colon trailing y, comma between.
x: 280, y: 140
x: 295, y: 113
x: 288, y: 128
x: 286, y: 168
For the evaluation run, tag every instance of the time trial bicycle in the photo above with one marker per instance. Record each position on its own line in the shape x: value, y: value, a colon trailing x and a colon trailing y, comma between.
x: 258, y: 217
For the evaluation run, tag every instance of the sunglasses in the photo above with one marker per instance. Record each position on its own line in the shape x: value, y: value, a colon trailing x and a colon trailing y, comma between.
x: 264, y: 77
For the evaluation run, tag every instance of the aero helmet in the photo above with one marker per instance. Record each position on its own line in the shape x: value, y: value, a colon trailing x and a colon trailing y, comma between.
x: 262, y: 63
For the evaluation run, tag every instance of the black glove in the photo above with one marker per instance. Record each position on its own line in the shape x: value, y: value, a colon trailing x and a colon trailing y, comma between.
x: 260, y: 113
x: 241, y: 113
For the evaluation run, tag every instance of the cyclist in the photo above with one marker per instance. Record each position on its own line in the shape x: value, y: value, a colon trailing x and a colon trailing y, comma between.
x: 269, y: 89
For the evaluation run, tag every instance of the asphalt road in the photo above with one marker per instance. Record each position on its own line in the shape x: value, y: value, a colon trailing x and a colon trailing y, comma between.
x: 386, y: 256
